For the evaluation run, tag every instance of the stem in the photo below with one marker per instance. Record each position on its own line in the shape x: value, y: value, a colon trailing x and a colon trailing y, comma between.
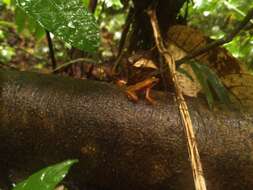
x: 7, y: 24
x: 73, y: 62
x: 193, y: 152
x: 92, y: 5
x: 51, y: 50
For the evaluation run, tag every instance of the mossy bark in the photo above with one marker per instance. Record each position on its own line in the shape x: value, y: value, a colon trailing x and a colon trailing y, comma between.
x: 46, y: 119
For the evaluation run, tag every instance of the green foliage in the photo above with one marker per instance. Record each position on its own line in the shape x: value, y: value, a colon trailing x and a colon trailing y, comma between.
x: 184, y: 72
x: 113, y: 3
x: 68, y: 20
x: 23, y: 21
x: 47, y: 178
x: 210, y: 84
x: 7, y: 2
x: 111, y: 15
x: 86, y: 3
x: 6, y: 53
x: 218, y: 17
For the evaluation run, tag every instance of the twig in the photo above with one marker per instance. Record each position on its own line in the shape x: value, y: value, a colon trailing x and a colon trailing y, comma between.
x: 30, y: 54
x: 92, y: 5
x: 197, y: 170
x: 8, y: 24
x: 51, y: 50
x: 73, y: 62
x: 125, y: 40
x: 125, y: 30
x: 217, y: 43
x: 7, y: 65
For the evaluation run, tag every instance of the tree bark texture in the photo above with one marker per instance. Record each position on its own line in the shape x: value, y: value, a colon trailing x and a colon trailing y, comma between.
x: 45, y: 119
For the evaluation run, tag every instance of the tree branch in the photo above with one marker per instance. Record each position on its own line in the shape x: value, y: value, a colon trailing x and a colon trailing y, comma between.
x: 62, y: 66
x: 2, y: 65
x: 45, y: 119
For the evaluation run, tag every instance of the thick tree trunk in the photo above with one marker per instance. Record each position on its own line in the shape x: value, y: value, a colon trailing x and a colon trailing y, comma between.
x: 120, y: 145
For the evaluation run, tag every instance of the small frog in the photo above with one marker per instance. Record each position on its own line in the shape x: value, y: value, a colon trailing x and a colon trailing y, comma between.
x: 145, y: 85
x: 139, y: 76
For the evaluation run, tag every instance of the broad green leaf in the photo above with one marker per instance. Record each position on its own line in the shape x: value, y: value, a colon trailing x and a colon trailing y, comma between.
x: 20, y: 19
x: 69, y: 20
x: 39, y: 32
x: 47, y: 178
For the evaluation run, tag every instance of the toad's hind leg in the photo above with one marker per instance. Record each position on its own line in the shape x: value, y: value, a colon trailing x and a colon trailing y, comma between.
x: 132, y: 95
x: 148, y: 96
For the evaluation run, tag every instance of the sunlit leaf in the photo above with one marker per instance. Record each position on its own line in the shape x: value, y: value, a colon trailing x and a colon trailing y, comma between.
x: 68, y: 20
x: 47, y: 178
x: 6, y: 53
x: 86, y: 3
x: 223, y: 17
x: 7, y: 2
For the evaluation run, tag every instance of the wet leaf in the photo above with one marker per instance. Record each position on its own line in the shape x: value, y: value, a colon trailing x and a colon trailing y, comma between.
x: 68, y: 20
x: 47, y: 178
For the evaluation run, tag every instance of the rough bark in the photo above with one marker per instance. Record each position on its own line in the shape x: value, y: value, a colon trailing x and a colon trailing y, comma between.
x: 120, y: 145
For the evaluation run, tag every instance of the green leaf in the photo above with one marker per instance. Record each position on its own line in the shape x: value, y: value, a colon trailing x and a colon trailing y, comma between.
x: 114, y: 3
x: 20, y: 19
x: 7, y: 2
x: 209, y: 80
x: 86, y: 3
x: 7, y: 24
x: 39, y: 32
x: 47, y: 178
x: 67, y: 19
x: 216, y: 84
x: 23, y: 21
x: 183, y: 71
x: 202, y: 78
